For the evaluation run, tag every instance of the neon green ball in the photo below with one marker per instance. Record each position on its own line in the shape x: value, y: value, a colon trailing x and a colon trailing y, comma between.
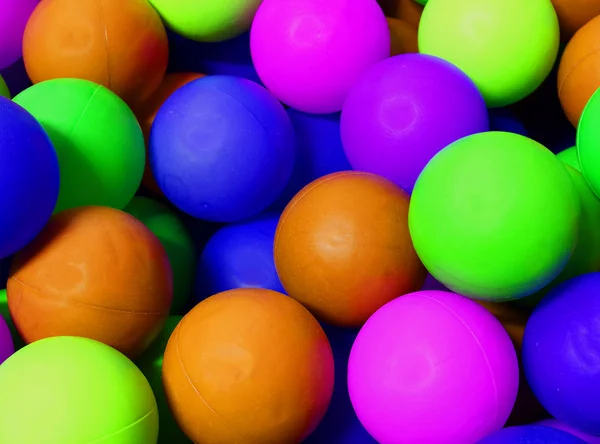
x: 207, y: 20
x: 150, y: 363
x: 507, y: 47
x: 176, y: 240
x: 588, y: 141
x: 494, y: 216
x: 100, y: 145
x: 570, y: 157
x: 4, y: 91
x: 71, y: 390
x: 421, y: 2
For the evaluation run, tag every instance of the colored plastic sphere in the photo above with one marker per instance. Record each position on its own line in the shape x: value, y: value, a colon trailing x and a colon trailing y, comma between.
x: 343, y: 249
x: 222, y: 148
x: 310, y: 53
x: 407, y: 366
x: 94, y: 272
x: 4, y: 91
x: 503, y: 119
x: 570, y: 157
x: 13, y: 19
x: 29, y: 177
x: 150, y: 363
x: 532, y: 434
x: 407, y: 10
x: 573, y: 14
x: 561, y: 364
x: 491, y: 42
x: 97, y: 138
x: 239, y: 256
x: 404, y: 37
x: 589, y: 439
x: 261, y: 366
x: 120, y: 44
x: 588, y: 138
x: 578, y: 72
x: 485, y: 206
x: 7, y: 346
x: 65, y: 390
x: 210, y: 21
x: 177, y: 242
x: 5, y: 313
x: 389, y: 117
x: 146, y: 112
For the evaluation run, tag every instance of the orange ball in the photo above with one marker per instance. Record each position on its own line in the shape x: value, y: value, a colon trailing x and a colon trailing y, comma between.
x: 579, y: 70
x: 404, y: 37
x: 94, y: 272
x: 146, y: 112
x: 573, y: 14
x: 407, y: 10
x: 248, y: 366
x: 121, y: 44
x: 342, y: 247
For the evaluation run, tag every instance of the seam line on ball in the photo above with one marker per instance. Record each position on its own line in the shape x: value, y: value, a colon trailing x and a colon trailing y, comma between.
x: 105, y: 43
x: 116, y: 432
x: 566, y: 77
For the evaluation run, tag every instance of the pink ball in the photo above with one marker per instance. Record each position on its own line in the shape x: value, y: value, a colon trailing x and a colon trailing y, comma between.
x: 13, y: 18
x: 432, y: 367
x: 309, y: 53
x: 556, y: 424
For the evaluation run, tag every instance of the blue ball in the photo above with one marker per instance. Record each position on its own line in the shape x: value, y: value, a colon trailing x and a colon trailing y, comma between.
x: 531, y: 435
x: 222, y: 148
x: 561, y: 352
x: 503, y: 119
x: 29, y: 178
x: 320, y: 151
x: 239, y: 256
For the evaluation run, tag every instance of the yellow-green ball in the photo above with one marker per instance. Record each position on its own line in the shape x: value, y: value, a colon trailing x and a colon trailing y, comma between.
x: 4, y: 91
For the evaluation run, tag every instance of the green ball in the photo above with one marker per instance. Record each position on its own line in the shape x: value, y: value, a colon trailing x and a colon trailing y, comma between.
x: 494, y: 216
x: 4, y: 91
x: 150, y: 363
x: 71, y: 390
x: 570, y: 157
x: 507, y: 47
x: 176, y: 240
x: 207, y: 20
x: 100, y: 145
x: 421, y: 2
x: 5, y: 313
x: 588, y: 140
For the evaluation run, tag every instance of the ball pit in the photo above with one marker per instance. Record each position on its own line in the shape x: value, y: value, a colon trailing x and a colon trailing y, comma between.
x: 388, y: 112
x: 531, y: 435
x: 484, y: 38
x: 309, y: 53
x: 496, y: 183
x: 117, y: 289
x: 342, y: 247
x: 118, y: 407
x: 407, y: 366
x: 261, y: 366
x: 119, y: 44
x: 203, y: 158
x: 97, y: 139
x: 13, y: 19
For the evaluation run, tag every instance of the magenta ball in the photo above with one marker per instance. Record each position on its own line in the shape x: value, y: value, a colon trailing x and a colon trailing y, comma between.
x: 13, y: 18
x: 432, y: 367
x: 7, y: 346
x: 556, y: 424
x: 404, y: 110
x: 309, y: 53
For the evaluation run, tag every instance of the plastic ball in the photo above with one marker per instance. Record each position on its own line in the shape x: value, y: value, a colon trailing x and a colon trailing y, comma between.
x: 177, y: 242
x: 261, y: 366
x: 239, y: 256
x: 310, y: 53
x: 561, y: 364
x: 74, y: 390
x: 7, y: 346
x: 150, y: 363
x: 94, y: 272
x: 120, y: 44
x: 588, y: 138
x: 222, y: 148
x: 211, y: 20
x: 404, y: 37
x: 97, y: 138
x: 407, y: 10
x: 487, y: 204
x: 343, y: 249
x: 578, y: 72
x: 573, y: 14
x: 491, y: 42
x: 503, y: 119
x: 532, y: 434
x: 5, y: 313
x: 570, y: 157
x: 13, y: 19
x: 589, y: 439
x: 407, y: 366
x: 29, y: 177
x: 388, y: 117
x: 146, y: 112
x: 4, y: 91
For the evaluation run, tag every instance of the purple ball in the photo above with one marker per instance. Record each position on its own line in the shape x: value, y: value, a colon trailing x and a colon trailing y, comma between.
x: 561, y: 352
x: 13, y: 18
x: 555, y: 424
x: 404, y: 110
x: 7, y: 346
x: 531, y: 434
